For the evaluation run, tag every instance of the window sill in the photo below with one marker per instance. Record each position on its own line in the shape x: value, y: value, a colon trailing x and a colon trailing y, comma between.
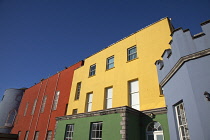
x: 91, y: 76
x: 161, y: 95
x: 132, y: 60
x: 110, y: 69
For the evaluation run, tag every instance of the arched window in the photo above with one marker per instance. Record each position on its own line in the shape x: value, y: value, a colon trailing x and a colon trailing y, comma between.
x: 154, y: 131
x: 11, y: 117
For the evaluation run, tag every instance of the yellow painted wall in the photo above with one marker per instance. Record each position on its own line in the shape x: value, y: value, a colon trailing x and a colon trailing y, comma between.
x: 151, y: 42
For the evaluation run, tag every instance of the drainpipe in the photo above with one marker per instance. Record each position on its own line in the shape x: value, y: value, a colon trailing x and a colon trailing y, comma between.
x: 39, y: 109
x: 48, y: 121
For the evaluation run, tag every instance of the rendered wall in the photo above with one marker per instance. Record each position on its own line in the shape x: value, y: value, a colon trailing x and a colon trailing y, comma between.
x: 10, y: 101
x: 122, y: 123
x: 189, y: 82
x: 150, y: 42
x: 111, y: 127
x: 45, y: 121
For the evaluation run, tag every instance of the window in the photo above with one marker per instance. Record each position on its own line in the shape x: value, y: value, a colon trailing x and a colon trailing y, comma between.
x: 92, y: 70
x: 11, y: 117
x: 96, y: 131
x: 110, y: 62
x: 89, y: 102
x: 18, y: 98
x: 154, y: 131
x: 132, y: 53
x: 2, y: 97
x: 78, y: 91
x: 36, y: 136
x: 55, y: 102
x: 19, y: 133
x: 34, y: 106
x: 49, y: 135
x: 25, y: 111
x: 108, y: 97
x: 74, y: 111
x: 26, y: 136
x: 69, y: 132
x: 182, y: 122
x: 43, y: 103
x: 134, y: 94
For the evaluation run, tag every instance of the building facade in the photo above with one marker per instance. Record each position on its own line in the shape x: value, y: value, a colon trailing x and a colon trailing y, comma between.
x: 122, y: 75
x: 8, y: 108
x: 185, y: 78
x: 43, y: 102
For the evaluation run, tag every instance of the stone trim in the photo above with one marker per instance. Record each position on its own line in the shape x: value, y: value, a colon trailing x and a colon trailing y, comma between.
x: 123, y: 124
x: 181, y: 61
x: 123, y: 109
x: 156, y: 111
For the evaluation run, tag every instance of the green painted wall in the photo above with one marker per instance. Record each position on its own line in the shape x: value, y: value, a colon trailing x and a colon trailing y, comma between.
x: 111, y: 127
x: 137, y: 126
x: 163, y: 120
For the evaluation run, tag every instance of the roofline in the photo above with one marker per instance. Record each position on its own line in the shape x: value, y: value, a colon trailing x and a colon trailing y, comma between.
x: 170, y: 25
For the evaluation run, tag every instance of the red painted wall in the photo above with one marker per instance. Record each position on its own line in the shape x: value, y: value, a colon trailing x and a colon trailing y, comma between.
x: 45, y: 121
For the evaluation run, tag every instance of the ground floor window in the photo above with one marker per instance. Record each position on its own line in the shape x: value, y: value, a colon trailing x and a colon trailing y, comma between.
x: 182, y: 122
x: 154, y: 131
x: 69, y: 132
x: 36, y: 137
x: 96, y: 131
x: 26, y: 135
x: 49, y: 135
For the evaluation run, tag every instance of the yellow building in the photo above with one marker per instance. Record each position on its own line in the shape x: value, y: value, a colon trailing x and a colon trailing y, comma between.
x: 122, y: 74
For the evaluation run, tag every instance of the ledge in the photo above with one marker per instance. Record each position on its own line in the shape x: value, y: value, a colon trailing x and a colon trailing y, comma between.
x: 181, y: 61
x: 123, y: 109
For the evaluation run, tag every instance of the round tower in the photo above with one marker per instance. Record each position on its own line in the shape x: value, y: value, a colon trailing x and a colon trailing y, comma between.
x: 9, y: 105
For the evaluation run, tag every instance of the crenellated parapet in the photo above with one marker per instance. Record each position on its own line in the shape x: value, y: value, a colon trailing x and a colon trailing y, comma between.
x: 184, y: 47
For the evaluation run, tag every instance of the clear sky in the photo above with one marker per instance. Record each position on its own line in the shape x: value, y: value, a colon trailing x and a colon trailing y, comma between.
x: 40, y: 37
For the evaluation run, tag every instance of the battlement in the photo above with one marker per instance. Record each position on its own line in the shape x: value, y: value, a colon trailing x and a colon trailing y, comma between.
x: 184, y: 47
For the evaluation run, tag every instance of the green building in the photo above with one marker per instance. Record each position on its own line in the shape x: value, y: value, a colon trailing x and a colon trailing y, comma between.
x: 121, y: 123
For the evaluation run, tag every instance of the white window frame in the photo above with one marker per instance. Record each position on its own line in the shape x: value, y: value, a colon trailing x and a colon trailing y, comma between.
x: 134, y: 94
x: 36, y: 136
x: 108, y: 97
x: 11, y: 118
x: 96, y: 131
x: 56, y: 98
x: 92, y: 71
x: 43, y: 103
x: 74, y: 111
x: 26, y: 108
x: 34, y: 106
x: 155, y: 130
x: 49, y: 135
x: 78, y: 89
x: 26, y: 135
x: 89, y: 102
x: 132, y: 55
x: 19, y: 133
x: 109, y: 64
x: 69, y: 132
x: 182, y: 121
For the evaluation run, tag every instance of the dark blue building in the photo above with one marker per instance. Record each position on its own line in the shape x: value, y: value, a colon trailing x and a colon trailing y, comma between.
x: 184, y: 75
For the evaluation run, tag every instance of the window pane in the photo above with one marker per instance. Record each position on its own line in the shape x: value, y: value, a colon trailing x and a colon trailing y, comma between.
x: 55, y: 103
x: 96, y: 131
x: 132, y: 54
x: 89, y: 107
x: 150, y: 137
x: 159, y: 137
x: 134, y: 86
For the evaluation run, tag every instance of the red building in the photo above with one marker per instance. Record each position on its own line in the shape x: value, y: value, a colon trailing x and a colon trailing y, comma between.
x: 43, y: 102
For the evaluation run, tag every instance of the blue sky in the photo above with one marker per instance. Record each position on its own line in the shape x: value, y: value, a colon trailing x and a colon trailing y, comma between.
x: 40, y: 37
